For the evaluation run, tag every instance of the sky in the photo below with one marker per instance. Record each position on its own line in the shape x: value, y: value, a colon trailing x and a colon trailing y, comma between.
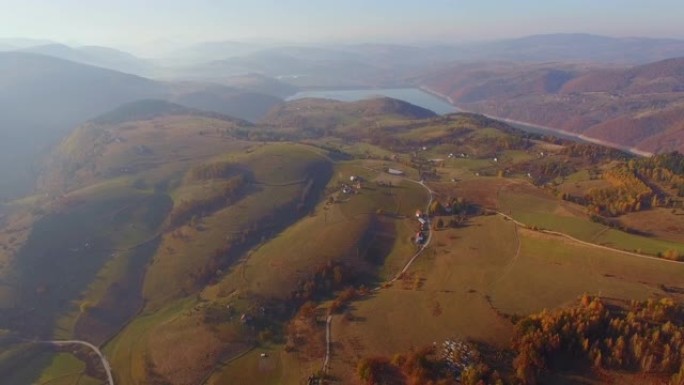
x: 139, y: 22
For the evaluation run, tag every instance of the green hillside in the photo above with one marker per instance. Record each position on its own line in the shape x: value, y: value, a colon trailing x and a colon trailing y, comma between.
x: 195, y: 248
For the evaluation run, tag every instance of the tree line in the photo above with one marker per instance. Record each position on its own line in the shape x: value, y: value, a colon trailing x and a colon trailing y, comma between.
x: 647, y: 337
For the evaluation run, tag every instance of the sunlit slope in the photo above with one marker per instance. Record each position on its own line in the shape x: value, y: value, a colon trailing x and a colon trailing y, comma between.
x: 351, y: 234
x: 121, y: 194
x: 278, y: 184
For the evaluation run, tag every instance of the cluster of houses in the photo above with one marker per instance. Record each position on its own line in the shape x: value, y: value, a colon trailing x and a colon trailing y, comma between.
x: 420, y: 235
x: 458, y: 356
x: 461, y: 155
x: 353, y: 187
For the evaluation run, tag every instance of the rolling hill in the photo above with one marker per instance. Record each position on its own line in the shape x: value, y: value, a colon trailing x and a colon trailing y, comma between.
x: 42, y: 98
x: 324, y: 114
x: 193, y: 247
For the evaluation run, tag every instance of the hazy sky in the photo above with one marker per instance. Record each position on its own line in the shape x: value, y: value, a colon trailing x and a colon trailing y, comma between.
x: 119, y: 22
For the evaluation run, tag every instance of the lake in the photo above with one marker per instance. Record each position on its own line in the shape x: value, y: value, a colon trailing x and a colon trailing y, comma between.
x: 423, y: 99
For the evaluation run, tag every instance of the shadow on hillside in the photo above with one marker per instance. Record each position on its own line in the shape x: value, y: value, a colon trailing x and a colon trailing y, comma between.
x: 64, y: 254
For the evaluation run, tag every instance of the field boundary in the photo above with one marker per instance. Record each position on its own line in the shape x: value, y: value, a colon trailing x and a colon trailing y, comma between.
x: 585, y: 243
x: 103, y: 359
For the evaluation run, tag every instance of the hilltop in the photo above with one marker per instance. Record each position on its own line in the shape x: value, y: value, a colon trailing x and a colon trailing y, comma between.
x: 42, y: 98
x: 154, y: 108
x: 325, y: 114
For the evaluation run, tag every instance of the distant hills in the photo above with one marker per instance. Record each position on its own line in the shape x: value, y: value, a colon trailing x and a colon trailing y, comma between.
x: 104, y: 57
x: 575, y: 47
x: 230, y: 101
x: 625, y: 90
x: 640, y: 106
x: 152, y: 108
x: 42, y: 98
x: 324, y: 114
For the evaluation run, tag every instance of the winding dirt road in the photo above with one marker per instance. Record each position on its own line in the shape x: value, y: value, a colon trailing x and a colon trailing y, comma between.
x: 105, y: 363
x: 328, y: 321
x: 585, y: 243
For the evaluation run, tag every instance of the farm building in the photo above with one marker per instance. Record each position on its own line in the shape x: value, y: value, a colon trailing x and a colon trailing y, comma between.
x: 395, y: 171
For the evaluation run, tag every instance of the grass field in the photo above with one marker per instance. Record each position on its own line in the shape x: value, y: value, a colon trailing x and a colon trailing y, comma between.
x: 129, y: 352
x: 534, y: 208
x: 98, y: 256
x: 349, y: 231
x: 281, y: 174
x: 466, y: 284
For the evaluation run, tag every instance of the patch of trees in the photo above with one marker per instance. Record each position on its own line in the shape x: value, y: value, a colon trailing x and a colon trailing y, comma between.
x: 664, y: 168
x: 672, y: 161
x: 592, y: 152
x: 216, y: 170
x: 258, y: 134
x: 421, y: 366
x: 429, y: 366
x: 503, y: 142
x: 616, y: 224
x: 646, y: 337
x: 628, y: 193
x: 456, y: 209
x: 301, y: 331
x: 185, y: 211
x: 672, y: 255
x: 328, y: 278
x: 551, y: 169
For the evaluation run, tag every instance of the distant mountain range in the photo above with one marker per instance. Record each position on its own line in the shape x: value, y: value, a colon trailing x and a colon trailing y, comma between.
x: 575, y: 47
x: 104, y: 57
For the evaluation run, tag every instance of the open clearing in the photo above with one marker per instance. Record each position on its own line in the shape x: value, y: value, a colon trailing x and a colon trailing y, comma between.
x: 469, y: 283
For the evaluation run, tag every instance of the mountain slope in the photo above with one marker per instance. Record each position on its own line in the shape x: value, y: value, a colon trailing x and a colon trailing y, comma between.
x: 247, y: 105
x: 42, y: 97
x: 638, y: 106
x: 104, y: 57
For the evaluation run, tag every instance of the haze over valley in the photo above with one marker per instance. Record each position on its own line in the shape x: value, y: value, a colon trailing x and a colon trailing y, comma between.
x: 259, y: 193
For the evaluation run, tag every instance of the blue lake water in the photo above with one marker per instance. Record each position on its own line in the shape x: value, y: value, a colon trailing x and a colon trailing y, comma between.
x: 419, y: 98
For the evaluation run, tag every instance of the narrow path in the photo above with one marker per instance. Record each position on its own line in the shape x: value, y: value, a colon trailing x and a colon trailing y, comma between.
x: 328, y: 338
x: 327, y: 344
x: 105, y: 363
x: 589, y: 244
x: 430, y: 231
x: 511, y: 264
